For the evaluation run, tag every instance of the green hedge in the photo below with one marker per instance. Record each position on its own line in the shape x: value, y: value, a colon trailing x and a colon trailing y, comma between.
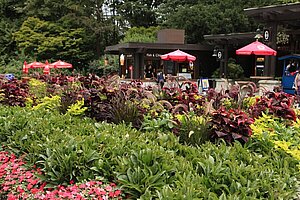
x: 150, y: 165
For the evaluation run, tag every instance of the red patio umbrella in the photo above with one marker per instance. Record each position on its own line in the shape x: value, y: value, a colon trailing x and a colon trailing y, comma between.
x: 60, y: 64
x: 178, y: 55
x: 256, y: 48
x: 35, y: 65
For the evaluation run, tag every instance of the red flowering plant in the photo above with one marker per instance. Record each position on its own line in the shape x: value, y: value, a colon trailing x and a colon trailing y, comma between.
x: 17, y: 182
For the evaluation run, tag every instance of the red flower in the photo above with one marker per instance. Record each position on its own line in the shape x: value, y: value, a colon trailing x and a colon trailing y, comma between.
x: 117, y: 193
x: 11, y: 197
x: 20, y: 189
x: 21, y: 178
x: 29, y: 186
x: 34, y: 190
x: 108, y: 188
x: 111, y: 194
x: 113, y: 185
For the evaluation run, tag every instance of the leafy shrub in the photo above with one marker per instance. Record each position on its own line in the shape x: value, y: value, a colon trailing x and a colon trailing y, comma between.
x: 280, y: 104
x: 193, y: 130
x: 77, y: 108
x: 234, y: 70
x: 142, y: 172
x: 37, y: 88
x: 209, y: 171
x: 237, y: 172
x: 13, y: 63
x: 216, y: 98
x: 49, y: 103
x: 61, y: 156
x: 71, y: 95
x: 122, y: 110
x: 13, y: 93
x: 69, y: 158
x: 162, y: 121
x: 99, y: 67
x: 141, y: 34
x: 279, y: 133
x: 232, y: 125
x: 234, y: 97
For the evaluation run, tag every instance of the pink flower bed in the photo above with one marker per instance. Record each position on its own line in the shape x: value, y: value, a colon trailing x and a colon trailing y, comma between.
x: 17, y: 182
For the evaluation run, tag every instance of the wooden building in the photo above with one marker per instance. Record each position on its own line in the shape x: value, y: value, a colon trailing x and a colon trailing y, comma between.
x: 280, y: 29
x: 138, y: 56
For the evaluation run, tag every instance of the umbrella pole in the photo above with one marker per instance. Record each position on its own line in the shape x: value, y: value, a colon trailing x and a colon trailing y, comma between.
x: 255, y: 72
x: 174, y: 67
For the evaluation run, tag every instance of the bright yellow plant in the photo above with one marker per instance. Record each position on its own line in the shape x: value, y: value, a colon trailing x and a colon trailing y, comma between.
x: 77, y: 108
x: 48, y: 103
x: 288, y: 143
x: 37, y: 88
x: 262, y: 125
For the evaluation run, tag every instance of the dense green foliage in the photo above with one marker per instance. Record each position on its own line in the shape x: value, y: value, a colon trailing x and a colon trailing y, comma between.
x: 168, y: 143
x: 234, y: 70
x: 78, y: 31
x: 49, y: 40
x: 141, y: 34
x: 148, y: 165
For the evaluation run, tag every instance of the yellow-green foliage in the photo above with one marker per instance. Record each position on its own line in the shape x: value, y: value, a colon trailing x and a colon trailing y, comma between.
x: 37, y: 88
x: 276, y: 131
x: 184, y: 118
x: 49, y: 103
x: 227, y: 103
x: 289, y: 148
x: 263, y: 125
x: 29, y: 102
x: 296, y: 124
x: 249, y: 101
x: 77, y: 108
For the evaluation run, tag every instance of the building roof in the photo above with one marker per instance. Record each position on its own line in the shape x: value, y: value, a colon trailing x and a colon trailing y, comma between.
x: 231, y: 38
x: 289, y: 13
x: 143, y: 47
x: 292, y: 56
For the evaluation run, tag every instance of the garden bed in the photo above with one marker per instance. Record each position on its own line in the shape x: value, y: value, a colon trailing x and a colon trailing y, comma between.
x: 165, y: 143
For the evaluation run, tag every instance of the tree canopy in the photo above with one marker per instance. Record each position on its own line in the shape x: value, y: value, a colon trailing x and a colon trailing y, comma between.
x: 78, y: 31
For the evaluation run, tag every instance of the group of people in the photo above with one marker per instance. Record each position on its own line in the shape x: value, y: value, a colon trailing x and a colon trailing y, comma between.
x: 160, y: 78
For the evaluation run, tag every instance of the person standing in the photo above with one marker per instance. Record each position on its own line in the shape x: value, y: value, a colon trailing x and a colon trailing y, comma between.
x: 160, y: 79
x: 297, y: 84
x: 149, y: 72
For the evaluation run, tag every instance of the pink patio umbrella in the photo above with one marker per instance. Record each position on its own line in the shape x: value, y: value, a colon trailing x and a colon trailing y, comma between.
x: 256, y: 48
x: 35, y: 65
x: 60, y: 64
x: 178, y: 56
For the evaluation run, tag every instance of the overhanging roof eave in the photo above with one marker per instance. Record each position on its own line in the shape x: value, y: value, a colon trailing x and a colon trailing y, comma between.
x: 272, y: 8
x: 229, y: 37
x: 157, y: 46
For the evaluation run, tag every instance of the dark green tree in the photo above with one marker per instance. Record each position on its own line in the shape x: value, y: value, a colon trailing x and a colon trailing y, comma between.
x: 141, y: 34
x: 138, y: 12
x: 210, y: 17
x: 10, y: 20
x: 47, y: 40
x: 71, y: 14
